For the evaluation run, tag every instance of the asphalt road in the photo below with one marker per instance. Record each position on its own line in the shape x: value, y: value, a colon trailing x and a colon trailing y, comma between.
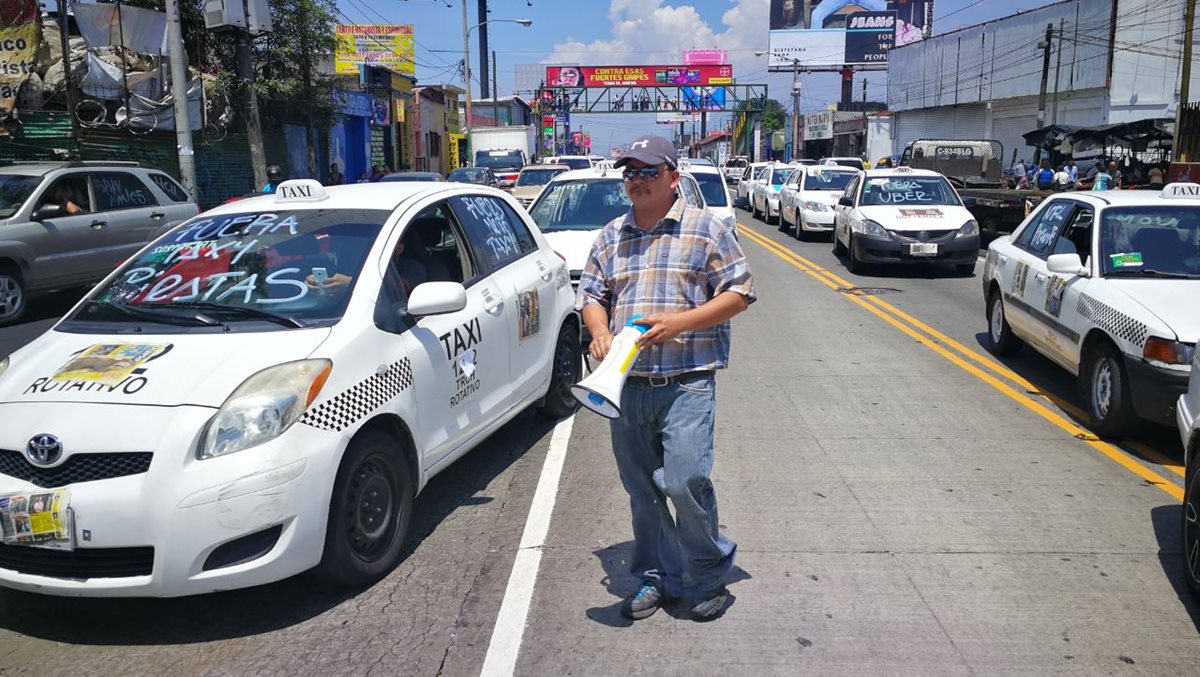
x: 903, y: 504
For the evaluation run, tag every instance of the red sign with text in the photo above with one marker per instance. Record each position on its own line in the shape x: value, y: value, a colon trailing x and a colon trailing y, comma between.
x: 572, y: 77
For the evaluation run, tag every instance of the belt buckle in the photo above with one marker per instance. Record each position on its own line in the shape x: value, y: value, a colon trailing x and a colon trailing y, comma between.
x: 659, y: 381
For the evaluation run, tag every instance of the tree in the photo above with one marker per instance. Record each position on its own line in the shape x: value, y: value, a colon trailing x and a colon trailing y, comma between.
x: 772, y: 116
x: 291, y: 83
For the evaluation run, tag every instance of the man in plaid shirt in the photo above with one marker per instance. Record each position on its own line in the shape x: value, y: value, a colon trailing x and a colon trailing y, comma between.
x: 682, y: 270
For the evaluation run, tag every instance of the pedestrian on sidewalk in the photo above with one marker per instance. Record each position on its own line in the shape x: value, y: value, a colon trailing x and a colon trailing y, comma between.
x: 274, y: 178
x: 681, y: 269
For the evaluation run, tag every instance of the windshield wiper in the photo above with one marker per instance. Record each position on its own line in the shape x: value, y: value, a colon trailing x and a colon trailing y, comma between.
x: 145, y: 313
x: 1150, y: 272
x: 259, y: 313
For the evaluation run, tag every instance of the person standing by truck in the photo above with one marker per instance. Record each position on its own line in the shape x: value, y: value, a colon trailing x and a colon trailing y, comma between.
x: 1072, y: 173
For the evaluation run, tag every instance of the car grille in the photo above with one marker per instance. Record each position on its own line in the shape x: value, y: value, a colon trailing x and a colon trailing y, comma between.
x: 76, y: 469
x: 81, y: 563
x: 922, y: 235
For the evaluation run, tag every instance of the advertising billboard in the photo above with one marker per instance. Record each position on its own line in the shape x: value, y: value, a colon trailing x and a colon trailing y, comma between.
x: 386, y: 46
x: 829, y: 34
x: 571, y: 77
x: 696, y: 57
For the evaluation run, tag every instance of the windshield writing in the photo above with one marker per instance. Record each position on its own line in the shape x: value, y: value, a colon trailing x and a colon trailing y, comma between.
x: 907, y: 191
x: 1150, y: 241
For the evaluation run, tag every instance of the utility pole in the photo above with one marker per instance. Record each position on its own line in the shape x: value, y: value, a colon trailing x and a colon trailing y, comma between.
x: 254, y: 139
x: 796, y: 147
x: 863, y: 149
x: 1189, y: 22
x: 179, y: 91
x: 495, y: 93
x: 1041, y: 113
x: 64, y: 38
x: 484, y: 90
x: 466, y: 125
x: 1062, y: 23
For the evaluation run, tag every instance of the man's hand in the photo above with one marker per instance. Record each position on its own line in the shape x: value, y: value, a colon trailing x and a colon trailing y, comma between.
x: 333, y: 282
x: 600, y: 346
x: 663, y: 328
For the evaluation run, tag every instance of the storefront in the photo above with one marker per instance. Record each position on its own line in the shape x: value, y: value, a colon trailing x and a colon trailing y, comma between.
x: 350, y: 139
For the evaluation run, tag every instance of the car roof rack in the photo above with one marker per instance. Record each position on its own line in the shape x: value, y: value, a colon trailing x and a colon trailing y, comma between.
x: 103, y: 163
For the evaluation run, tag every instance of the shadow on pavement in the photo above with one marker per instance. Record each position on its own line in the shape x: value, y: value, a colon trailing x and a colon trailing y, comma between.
x: 253, y: 611
x: 1167, y: 528
x: 620, y: 583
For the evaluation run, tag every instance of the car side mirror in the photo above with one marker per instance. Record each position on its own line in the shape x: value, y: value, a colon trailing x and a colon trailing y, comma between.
x: 845, y: 201
x: 48, y: 211
x: 741, y: 202
x: 969, y: 202
x: 1067, y: 264
x: 437, y: 298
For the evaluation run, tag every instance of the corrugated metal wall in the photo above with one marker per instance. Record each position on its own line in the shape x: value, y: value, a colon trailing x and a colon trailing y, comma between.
x: 947, y: 122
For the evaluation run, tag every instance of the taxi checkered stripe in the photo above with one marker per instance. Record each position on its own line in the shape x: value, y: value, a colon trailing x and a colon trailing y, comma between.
x: 353, y: 404
x: 1112, y: 320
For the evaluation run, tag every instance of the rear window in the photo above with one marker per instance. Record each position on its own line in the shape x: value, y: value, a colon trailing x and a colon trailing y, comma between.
x: 575, y: 163
x: 538, y: 177
x: 174, y: 191
x: 735, y: 163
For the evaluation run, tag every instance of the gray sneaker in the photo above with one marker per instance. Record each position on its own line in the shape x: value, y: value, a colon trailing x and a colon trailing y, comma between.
x: 647, y: 599
x: 710, y: 606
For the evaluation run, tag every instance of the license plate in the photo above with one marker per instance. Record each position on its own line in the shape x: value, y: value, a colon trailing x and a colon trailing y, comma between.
x: 923, y: 249
x: 38, y: 519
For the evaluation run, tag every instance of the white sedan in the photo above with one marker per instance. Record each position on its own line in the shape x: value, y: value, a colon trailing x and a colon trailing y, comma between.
x: 753, y: 174
x: 807, y: 200
x: 264, y: 389
x: 764, y: 198
x: 1100, y: 282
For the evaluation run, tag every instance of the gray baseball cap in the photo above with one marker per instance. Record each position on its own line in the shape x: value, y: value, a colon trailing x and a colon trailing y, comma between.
x: 651, y: 149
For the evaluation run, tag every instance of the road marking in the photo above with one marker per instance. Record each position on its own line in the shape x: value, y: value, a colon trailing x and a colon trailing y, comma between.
x: 505, y: 645
x: 998, y: 368
x: 1086, y: 436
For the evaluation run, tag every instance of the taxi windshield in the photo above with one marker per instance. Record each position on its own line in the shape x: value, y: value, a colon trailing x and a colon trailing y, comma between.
x: 907, y: 190
x: 1150, y: 242
x: 823, y: 180
x: 287, y: 269
x: 580, y: 205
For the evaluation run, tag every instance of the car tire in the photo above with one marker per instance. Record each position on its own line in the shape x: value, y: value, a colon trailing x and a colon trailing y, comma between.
x: 565, y: 372
x: 369, y: 513
x: 839, y: 249
x: 1106, y: 393
x: 801, y: 234
x: 853, y: 264
x: 1190, y: 532
x: 14, y: 297
x: 1002, y: 342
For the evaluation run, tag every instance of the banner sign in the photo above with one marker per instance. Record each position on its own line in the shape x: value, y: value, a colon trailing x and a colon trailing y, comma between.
x: 386, y: 46
x: 638, y: 76
x: 829, y: 34
x: 18, y: 47
x: 697, y: 57
x: 818, y: 126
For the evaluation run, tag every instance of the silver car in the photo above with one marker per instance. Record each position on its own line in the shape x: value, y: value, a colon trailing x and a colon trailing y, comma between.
x: 69, y: 224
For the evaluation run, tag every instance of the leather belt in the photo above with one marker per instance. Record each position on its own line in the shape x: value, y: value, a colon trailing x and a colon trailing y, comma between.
x: 663, y: 381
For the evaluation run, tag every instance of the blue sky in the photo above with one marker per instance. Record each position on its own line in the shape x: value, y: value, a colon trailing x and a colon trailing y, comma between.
x: 600, y: 32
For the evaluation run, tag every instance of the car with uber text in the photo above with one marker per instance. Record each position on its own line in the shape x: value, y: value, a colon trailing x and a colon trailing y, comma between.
x: 264, y: 389
x: 1100, y: 282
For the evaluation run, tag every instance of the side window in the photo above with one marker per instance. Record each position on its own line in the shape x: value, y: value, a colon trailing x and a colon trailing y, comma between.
x: 524, y: 237
x: 71, y: 193
x: 1076, y: 238
x: 852, y: 189
x: 1038, y: 236
x: 120, y: 190
x: 489, y: 233
x: 690, y: 193
x: 429, y: 250
x: 797, y: 178
x: 168, y: 186
x: 746, y: 174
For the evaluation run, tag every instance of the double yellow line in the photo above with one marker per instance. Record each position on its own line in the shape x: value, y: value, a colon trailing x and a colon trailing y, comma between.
x: 980, y: 367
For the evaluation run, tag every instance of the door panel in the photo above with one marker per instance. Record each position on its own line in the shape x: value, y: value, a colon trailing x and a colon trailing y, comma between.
x: 134, y: 215
x: 68, y: 249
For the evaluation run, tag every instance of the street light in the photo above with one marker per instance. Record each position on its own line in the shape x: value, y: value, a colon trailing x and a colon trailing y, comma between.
x: 467, y: 58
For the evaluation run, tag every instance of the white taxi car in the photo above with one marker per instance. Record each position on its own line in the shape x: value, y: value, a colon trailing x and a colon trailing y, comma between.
x: 807, y: 200
x: 1187, y: 414
x: 904, y: 216
x: 750, y: 176
x: 264, y: 389
x: 1103, y: 283
x: 714, y: 189
x: 764, y: 196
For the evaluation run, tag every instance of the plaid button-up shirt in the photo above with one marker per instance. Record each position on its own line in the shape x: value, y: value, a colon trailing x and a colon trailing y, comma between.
x: 687, y: 259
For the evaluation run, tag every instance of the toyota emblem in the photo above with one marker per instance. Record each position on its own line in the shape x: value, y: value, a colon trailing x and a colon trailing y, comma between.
x: 44, y: 450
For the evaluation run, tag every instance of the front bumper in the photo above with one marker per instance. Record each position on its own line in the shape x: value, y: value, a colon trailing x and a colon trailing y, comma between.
x: 181, y: 507
x: 896, y: 250
x: 819, y: 221
x: 1185, y: 418
x: 1155, y: 391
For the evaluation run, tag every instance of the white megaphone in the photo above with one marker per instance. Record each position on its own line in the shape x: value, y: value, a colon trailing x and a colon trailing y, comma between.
x: 601, y: 390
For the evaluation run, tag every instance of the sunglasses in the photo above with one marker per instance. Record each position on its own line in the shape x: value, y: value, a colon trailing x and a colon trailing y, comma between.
x: 641, y: 173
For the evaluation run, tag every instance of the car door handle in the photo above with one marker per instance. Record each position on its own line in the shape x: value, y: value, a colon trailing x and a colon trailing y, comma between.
x: 1040, y: 277
x: 157, y: 215
x: 491, y: 301
x: 98, y: 224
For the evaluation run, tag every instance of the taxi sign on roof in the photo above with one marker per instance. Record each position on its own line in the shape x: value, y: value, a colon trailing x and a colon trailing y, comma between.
x: 300, y: 190
x: 1181, y: 190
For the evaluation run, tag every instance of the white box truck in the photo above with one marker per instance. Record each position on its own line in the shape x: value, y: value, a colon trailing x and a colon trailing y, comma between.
x: 504, y: 149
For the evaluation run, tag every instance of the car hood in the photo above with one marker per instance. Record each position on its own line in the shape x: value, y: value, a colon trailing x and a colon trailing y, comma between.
x: 1162, y: 297
x: 166, y: 370
x: 526, y: 192
x: 933, y: 217
x: 825, y: 197
x: 573, y: 245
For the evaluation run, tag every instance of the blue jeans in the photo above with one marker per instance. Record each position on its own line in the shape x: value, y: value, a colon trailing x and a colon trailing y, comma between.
x: 663, y: 444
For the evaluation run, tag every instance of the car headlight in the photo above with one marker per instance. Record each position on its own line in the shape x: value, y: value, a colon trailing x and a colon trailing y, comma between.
x: 264, y: 406
x: 969, y: 229
x: 4, y: 365
x: 816, y: 206
x: 869, y: 227
x: 1167, y: 352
